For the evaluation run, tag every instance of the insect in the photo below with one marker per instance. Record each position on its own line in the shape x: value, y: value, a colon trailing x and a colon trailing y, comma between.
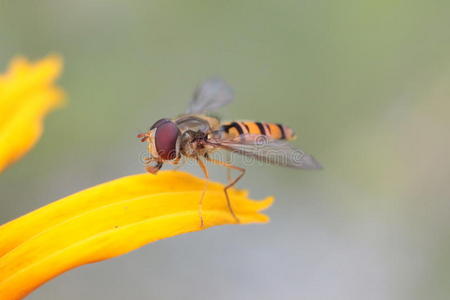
x: 196, y: 134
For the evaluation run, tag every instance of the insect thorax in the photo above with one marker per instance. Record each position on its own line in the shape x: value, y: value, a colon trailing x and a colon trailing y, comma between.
x: 192, y: 143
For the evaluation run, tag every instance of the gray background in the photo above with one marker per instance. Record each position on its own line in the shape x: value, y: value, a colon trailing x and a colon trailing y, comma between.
x: 364, y: 83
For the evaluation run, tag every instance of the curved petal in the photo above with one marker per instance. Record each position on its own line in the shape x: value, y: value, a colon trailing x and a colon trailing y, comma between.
x: 27, y: 94
x: 108, y: 220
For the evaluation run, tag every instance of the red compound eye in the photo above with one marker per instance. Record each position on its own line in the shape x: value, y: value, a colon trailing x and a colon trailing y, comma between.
x: 159, y: 122
x: 166, y: 136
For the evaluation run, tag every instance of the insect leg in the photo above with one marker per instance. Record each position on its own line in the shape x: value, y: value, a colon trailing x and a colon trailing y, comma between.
x: 178, y: 163
x: 154, y: 169
x: 228, y: 160
x: 232, y: 183
x: 200, y: 202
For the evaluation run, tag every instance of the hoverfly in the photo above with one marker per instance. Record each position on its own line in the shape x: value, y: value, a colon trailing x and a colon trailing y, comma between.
x: 196, y: 134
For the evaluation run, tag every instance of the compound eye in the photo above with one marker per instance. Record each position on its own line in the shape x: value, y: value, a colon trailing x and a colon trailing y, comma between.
x: 159, y: 122
x: 166, y: 136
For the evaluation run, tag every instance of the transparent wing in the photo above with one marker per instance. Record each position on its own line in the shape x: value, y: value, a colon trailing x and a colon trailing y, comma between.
x: 210, y: 95
x: 268, y: 150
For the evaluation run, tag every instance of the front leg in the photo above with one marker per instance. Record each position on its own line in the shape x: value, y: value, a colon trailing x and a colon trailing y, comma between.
x: 200, y: 202
x: 154, y: 169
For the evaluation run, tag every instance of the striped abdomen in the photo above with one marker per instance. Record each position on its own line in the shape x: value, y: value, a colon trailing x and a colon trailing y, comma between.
x: 274, y: 130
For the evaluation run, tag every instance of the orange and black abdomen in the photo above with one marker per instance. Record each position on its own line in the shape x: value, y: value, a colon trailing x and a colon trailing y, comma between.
x: 274, y: 130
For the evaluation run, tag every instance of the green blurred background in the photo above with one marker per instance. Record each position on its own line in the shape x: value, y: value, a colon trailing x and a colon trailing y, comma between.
x: 366, y: 84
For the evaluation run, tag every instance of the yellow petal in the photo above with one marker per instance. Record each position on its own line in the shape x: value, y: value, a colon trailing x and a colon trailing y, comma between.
x: 27, y: 94
x: 109, y: 220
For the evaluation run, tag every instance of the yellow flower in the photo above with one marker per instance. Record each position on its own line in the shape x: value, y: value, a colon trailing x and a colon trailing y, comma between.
x: 26, y: 95
x: 101, y: 222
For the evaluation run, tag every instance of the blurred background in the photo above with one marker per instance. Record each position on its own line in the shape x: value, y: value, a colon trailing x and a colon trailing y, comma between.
x: 366, y: 84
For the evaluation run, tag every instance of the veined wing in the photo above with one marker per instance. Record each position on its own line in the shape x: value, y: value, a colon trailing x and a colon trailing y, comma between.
x: 268, y: 150
x: 209, y: 96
